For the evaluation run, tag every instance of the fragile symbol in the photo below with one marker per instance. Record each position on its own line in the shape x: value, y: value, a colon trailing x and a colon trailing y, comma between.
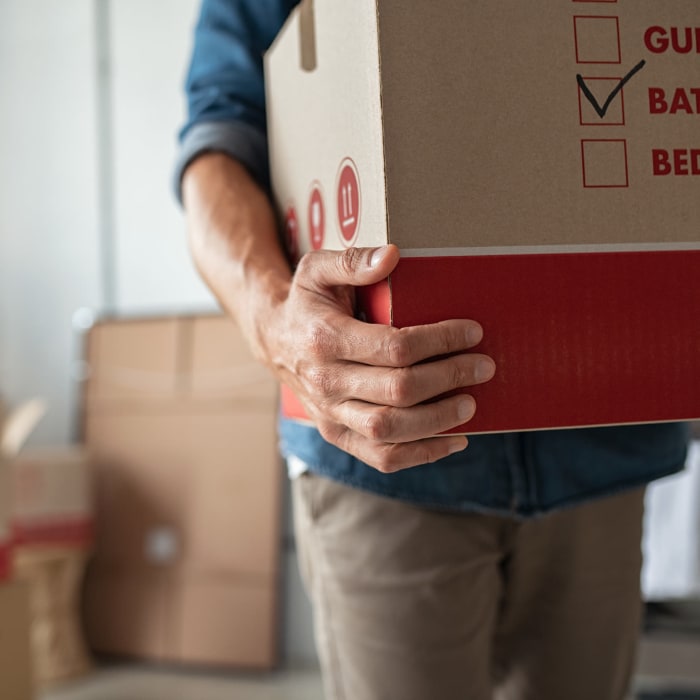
x: 348, y: 201
x: 601, y: 111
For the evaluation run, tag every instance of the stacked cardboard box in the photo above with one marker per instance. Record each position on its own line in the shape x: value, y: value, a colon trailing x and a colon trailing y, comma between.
x: 54, y: 577
x: 180, y: 421
x: 16, y: 671
x: 537, y: 163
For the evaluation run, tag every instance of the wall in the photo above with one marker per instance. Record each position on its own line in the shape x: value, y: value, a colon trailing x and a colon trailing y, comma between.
x: 91, y: 103
x: 49, y: 249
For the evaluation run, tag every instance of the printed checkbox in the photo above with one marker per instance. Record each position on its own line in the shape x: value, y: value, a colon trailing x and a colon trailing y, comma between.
x: 604, y: 163
x: 601, y: 90
x: 597, y: 39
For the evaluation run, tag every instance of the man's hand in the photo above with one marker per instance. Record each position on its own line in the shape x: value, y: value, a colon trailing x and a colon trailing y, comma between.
x: 363, y: 385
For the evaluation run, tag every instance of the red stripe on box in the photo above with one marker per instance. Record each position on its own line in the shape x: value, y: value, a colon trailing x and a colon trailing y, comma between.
x: 5, y: 560
x: 291, y: 406
x: 67, y: 532
x: 579, y: 339
x: 585, y: 339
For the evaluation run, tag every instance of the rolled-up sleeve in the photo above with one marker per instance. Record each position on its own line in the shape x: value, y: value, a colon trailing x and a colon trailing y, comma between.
x: 225, y: 83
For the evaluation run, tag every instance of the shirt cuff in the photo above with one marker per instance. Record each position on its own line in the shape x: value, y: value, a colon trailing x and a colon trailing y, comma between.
x: 240, y: 140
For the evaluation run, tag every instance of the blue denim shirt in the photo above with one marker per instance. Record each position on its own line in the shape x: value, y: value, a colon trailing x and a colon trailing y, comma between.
x: 517, y: 474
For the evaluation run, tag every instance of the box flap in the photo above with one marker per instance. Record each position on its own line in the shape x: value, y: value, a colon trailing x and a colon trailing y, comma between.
x: 19, y: 425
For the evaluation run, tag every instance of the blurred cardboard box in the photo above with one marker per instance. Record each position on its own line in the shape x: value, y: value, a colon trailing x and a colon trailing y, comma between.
x: 54, y: 578
x: 538, y: 166
x: 52, y: 497
x: 16, y: 671
x: 15, y: 428
x: 47, y: 497
x: 180, y: 422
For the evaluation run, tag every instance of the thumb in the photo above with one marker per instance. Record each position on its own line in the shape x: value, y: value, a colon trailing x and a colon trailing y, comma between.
x: 355, y: 267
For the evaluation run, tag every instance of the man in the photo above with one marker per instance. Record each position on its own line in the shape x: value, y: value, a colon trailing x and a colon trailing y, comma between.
x: 436, y: 569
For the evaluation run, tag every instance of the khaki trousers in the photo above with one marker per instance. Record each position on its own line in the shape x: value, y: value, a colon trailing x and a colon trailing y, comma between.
x: 416, y: 604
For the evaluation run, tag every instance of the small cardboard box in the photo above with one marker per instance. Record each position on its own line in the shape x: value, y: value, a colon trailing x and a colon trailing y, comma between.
x: 180, y: 422
x: 52, y: 497
x: 15, y: 427
x: 538, y: 165
x: 48, y: 514
x: 54, y: 577
x: 16, y: 670
x: 5, y: 519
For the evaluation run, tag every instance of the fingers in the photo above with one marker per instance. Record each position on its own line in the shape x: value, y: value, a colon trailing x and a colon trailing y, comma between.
x: 398, y: 387
x: 386, y: 346
x: 354, y: 267
x: 393, y: 457
x: 387, y: 424
x: 367, y: 386
x: 347, y: 339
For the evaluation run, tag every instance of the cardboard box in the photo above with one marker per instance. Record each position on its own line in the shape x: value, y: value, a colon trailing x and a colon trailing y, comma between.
x: 54, y: 576
x: 538, y: 165
x: 188, y: 482
x: 16, y: 671
x: 52, y: 497
x: 183, y: 615
x: 15, y: 427
x: 5, y: 520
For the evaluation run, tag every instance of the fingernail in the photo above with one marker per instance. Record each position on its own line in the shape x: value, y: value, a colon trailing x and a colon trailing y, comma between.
x: 484, y: 370
x: 457, y: 445
x: 466, y: 408
x: 377, y: 256
x: 474, y: 335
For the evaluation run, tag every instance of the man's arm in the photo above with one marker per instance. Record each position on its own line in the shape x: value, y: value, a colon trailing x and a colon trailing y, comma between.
x: 362, y: 384
x: 359, y: 382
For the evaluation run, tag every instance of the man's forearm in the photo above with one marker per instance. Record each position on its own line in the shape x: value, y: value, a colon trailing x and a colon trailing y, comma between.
x: 234, y: 242
x: 377, y: 392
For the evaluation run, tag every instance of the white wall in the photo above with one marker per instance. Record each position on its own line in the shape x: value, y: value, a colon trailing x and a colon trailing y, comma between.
x: 48, y: 197
x: 89, y: 112
x: 150, y: 42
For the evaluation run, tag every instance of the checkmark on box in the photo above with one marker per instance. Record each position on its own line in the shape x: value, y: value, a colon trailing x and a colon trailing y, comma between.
x: 597, y: 39
x: 600, y: 89
x: 604, y: 163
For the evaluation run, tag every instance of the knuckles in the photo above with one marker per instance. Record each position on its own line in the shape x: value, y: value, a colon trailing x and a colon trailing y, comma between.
x: 379, y: 424
x: 398, y: 349
x: 320, y: 341
x: 400, y: 388
x: 348, y: 261
x: 321, y: 381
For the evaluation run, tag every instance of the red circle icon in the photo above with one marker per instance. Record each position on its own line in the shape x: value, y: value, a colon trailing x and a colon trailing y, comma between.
x: 348, y: 201
x: 317, y: 218
x: 291, y: 234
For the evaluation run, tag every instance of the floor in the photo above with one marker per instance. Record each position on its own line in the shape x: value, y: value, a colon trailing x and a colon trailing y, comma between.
x: 144, y: 683
x: 669, y: 669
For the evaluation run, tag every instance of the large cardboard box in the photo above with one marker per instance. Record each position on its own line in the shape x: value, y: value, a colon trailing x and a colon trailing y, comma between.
x: 16, y: 671
x: 538, y: 164
x: 180, y: 422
